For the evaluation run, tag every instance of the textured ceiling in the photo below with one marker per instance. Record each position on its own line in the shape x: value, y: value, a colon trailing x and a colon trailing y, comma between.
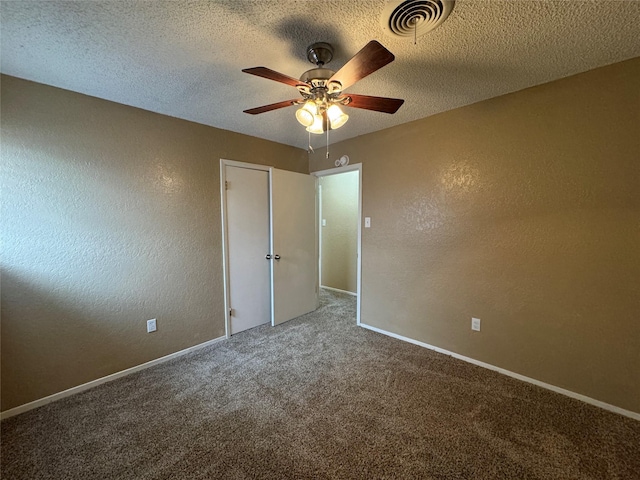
x: 184, y: 58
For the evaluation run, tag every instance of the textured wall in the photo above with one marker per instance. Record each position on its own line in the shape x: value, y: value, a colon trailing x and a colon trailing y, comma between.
x: 340, y: 235
x: 522, y: 210
x: 110, y: 217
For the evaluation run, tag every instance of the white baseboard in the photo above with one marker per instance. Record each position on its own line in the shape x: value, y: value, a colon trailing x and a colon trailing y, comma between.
x: 339, y: 291
x: 99, y: 381
x: 568, y: 393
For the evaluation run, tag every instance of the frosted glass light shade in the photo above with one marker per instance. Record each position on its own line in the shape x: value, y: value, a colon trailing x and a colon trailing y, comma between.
x: 306, y: 114
x: 336, y: 116
x: 316, y: 127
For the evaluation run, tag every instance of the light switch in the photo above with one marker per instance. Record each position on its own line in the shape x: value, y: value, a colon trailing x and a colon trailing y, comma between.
x: 324, y: 222
x: 367, y: 222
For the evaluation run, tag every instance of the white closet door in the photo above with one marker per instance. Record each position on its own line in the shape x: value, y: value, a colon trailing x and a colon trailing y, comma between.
x: 247, y: 200
x: 293, y: 227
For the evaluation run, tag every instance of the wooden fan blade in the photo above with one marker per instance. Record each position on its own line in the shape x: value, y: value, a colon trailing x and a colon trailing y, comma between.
x: 371, y: 58
x: 273, y: 75
x: 378, y: 104
x: 273, y: 106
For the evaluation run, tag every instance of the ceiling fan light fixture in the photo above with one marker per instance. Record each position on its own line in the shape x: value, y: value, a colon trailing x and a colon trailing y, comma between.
x: 306, y: 114
x: 321, y: 88
x: 336, y: 116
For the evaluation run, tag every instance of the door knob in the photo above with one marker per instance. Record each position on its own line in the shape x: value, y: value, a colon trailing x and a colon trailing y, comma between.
x: 277, y: 257
x: 267, y: 256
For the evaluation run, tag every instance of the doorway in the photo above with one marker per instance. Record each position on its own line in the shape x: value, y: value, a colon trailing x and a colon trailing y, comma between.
x: 339, y: 227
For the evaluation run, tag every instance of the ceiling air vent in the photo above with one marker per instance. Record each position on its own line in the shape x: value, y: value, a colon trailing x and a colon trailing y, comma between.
x: 413, y: 18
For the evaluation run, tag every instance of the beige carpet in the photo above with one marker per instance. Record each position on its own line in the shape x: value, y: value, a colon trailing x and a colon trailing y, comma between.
x: 319, y: 397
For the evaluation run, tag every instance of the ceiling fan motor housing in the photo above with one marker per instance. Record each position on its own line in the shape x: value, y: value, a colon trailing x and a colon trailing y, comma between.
x: 319, y: 53
x: 317, y: 74
x: 316, y: 81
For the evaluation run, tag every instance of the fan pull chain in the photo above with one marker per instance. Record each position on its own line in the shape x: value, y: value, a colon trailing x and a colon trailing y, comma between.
x: 328, y: 141
x: 415, y: 31
x: 310, y: 147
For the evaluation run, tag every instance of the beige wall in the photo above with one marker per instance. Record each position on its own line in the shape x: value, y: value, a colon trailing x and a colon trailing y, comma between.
x: 340, y: 235
x: 110, y: 217
x: 524, y: 211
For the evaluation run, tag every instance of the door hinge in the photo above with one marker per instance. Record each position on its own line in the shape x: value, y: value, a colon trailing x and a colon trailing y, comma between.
x: 231, y: 312
x: 226, y: 184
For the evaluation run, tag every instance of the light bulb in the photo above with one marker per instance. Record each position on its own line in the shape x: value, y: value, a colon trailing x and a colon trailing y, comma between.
x: 336, y: 116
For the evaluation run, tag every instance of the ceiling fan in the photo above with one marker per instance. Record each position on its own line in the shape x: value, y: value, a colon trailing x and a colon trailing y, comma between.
x: 322, y: 89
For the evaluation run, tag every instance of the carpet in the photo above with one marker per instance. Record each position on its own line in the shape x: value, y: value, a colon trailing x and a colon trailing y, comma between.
x: 318, y: 397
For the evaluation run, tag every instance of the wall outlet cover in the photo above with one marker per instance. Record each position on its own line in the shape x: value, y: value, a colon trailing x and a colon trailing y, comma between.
x: 151, y: 325
x: 475, y: 324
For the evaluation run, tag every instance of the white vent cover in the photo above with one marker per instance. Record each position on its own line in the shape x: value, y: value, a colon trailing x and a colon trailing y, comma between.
x: 411, y: 18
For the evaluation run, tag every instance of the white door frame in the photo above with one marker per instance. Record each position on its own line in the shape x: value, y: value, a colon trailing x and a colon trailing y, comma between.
x: 334, y: 171
x: 225, y: 246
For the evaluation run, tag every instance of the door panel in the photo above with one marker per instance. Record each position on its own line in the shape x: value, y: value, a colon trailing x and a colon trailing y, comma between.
x: 295, y: 275
x: 247, y: 199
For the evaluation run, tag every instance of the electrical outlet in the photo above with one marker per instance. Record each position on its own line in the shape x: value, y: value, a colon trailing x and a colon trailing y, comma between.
x: 475, y: 324
x: 367, y: 222
x: 151, y: 325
